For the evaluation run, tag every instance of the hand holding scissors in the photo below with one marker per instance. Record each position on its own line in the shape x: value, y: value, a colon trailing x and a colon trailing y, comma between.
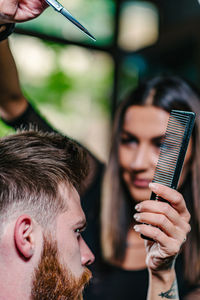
x: 17, y: 11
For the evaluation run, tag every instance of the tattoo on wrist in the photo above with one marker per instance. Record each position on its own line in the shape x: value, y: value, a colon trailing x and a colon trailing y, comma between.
x: 172, y: 293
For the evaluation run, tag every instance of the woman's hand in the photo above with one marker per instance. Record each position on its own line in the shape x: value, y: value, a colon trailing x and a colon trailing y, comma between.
x: 170, y: 226
x: 20, y: 10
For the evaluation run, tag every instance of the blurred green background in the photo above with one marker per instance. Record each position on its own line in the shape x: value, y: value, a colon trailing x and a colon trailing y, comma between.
x: 77, y: 83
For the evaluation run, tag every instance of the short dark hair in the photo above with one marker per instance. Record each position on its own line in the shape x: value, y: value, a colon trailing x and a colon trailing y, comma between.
x: 32, y: 166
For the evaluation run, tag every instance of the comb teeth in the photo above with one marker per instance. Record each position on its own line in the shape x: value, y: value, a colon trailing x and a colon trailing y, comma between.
x: 173, y: 148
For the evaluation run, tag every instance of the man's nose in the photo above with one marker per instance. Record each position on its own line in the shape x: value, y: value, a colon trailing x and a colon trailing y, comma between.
x: 87, y: 257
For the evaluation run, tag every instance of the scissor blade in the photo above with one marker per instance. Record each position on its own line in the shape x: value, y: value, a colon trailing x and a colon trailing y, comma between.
x: 59, y: 8
x: 65, y: 13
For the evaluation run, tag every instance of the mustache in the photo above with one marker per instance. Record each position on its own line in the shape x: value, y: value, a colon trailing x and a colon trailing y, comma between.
x: 85, y: 278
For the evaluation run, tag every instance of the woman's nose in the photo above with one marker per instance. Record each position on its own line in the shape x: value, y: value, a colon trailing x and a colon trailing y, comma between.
x: 141, y: 159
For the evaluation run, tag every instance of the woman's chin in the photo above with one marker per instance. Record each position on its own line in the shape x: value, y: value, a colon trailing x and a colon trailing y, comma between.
x: 140, y: 194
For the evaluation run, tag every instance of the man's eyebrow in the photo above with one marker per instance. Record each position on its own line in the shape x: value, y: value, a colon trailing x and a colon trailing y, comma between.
x: 82, y: 224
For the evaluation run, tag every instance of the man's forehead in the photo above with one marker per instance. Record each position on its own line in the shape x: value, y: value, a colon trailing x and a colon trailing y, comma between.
x: 67, y: 192
x: 81, y: 223
x: 73, y: 205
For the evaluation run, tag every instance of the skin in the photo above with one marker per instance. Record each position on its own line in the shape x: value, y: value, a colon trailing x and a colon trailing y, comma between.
x: 22, y: 245
x: 19, y: 11
x: 72, y: 249
x: 142, y: 133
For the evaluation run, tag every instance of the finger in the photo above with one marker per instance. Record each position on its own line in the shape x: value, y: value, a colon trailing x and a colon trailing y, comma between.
x: 8, y: 9
x: 165, y: 209
x: 173, y: 197
x: 171, y: 246
x: 163, y: 223
x: 30, y: 9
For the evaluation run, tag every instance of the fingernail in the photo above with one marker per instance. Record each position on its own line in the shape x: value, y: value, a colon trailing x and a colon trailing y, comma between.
x: 138, y: 207
x: 136, y: 217
x: 153, y: 186
x: 136, y: 228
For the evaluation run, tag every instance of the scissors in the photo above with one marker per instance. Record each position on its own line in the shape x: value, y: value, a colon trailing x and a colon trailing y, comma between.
x: 59, y: 8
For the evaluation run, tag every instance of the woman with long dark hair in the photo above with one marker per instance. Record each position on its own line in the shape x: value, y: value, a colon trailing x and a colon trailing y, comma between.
x: 120, y: 271
x: 161, y: 94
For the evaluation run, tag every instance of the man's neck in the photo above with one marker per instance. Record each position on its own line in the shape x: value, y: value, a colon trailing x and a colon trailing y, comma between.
x: 15, y: 284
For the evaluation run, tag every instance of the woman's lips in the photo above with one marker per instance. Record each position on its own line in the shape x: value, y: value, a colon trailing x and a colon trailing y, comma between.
x: 141, y: 183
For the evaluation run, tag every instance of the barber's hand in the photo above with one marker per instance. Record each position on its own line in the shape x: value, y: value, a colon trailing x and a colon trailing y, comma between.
x: 20, y: 10
x: 170, y: 226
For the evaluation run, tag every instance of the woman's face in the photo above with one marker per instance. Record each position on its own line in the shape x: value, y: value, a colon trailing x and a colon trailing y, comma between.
x: 142, y: 133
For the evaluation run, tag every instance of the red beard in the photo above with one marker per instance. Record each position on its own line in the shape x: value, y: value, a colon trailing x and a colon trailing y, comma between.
x: 53, y: 281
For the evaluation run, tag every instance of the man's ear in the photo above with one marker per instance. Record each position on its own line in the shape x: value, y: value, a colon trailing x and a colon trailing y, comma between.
x: 24, y: 236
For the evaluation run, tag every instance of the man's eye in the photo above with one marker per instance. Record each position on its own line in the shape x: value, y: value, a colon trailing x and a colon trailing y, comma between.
x: 78, y: 232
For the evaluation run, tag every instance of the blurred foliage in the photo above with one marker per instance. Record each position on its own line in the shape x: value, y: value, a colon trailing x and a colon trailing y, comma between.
x: 4, y: 129
x: 96, y: 15
x: 133, y: 67
x: 56, y: 88
x: 67, y: 81
x: 51, y: 88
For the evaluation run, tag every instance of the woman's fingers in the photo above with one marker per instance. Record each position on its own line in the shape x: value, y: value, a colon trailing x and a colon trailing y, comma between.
x: 164, y: 208
x: 169, y: 220
x: 160, y: 237
x: 173, y: 197
x: 163, y: 223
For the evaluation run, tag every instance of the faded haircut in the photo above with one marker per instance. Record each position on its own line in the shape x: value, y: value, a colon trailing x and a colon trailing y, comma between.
x: 32, y: 167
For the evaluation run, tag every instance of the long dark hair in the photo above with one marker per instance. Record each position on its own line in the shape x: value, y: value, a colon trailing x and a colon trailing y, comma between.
x: 168, y: 92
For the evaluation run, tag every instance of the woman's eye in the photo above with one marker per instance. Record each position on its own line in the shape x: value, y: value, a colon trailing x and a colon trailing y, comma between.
x: 158, y: 144
x: 169, y: 146
x: 128, y: 140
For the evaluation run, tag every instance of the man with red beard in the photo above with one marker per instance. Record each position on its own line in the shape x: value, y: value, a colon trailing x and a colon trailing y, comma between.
x: 42, y: 253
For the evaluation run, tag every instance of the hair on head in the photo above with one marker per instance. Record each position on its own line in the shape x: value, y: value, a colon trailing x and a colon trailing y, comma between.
x: 32, y: 166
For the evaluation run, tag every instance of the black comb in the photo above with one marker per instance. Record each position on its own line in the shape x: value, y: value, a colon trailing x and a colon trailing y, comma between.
x: 173, y: 150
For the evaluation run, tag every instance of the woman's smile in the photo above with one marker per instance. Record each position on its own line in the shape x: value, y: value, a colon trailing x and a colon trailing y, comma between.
x: 141, y: 182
